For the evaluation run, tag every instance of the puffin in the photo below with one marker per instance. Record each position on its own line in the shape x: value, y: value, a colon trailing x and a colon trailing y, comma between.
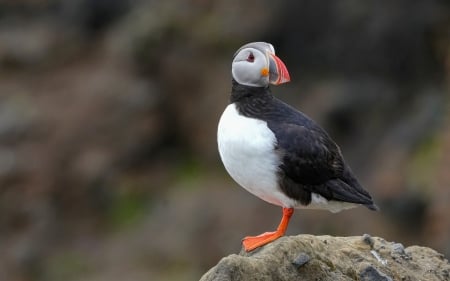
x: 276, y: 152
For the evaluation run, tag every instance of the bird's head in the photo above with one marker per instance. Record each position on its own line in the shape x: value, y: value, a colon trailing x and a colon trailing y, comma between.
x: 255, y: 64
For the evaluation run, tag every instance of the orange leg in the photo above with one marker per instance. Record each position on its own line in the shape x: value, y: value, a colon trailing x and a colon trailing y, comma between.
x: 252, y: 242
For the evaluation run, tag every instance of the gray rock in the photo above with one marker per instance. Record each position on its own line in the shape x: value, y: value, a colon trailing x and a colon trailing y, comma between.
x: 398, y: 248
x: 330, y: 258
x: 370, y: 273
x: 301, y: 259
x: 368, y: 239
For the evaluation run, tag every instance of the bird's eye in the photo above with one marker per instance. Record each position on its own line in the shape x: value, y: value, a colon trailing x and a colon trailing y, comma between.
x: 251, y: 57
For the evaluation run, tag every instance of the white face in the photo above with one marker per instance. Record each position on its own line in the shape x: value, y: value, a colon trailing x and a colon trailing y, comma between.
x: 250, y: 67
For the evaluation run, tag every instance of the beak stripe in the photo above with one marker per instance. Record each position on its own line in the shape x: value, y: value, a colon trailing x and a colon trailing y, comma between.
x: 281, y: 71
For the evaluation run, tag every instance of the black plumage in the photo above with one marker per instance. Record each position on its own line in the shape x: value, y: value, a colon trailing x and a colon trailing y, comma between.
x: 311, y: 162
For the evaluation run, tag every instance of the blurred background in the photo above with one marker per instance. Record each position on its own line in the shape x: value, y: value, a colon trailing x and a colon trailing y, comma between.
x: 108, y: 111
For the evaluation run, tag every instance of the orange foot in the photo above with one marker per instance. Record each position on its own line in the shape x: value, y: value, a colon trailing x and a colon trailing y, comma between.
x: 252, y: 242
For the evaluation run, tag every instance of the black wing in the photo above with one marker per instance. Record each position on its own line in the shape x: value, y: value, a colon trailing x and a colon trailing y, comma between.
x: 312, y: 162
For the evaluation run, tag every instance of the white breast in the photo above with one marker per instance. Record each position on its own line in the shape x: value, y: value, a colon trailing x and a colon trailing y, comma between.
x: 246, y: 146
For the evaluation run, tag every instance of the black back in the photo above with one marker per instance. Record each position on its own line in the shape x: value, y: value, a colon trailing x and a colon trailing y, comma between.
x: 311, y: 160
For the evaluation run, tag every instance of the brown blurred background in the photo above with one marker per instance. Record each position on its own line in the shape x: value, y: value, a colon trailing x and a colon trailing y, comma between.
x: 108, y: 113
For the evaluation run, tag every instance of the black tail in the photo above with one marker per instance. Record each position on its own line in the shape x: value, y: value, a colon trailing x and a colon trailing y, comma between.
x: 358, y: 192
x: 372, y: 207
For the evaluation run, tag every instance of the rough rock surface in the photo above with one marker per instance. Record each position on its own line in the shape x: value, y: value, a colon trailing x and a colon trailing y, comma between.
x: 308, y: 257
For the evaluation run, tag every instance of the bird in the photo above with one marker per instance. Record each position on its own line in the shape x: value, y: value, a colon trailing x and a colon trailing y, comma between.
x: 275, y: 151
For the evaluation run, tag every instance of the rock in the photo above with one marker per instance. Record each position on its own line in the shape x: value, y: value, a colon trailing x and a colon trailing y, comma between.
x: 370, y: 273
x: 301, y: 259
x: 368, y: 240
x: 308, y: 257
x: 398, y: 248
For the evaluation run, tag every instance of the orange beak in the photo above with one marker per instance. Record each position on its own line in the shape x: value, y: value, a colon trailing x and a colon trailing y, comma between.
x: 278, y: 72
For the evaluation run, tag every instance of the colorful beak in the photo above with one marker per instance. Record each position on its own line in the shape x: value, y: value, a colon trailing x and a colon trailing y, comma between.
x: 278, y: 72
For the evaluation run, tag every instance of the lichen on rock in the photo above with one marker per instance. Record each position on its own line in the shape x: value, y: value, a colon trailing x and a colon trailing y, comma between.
x: 308, y: 257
